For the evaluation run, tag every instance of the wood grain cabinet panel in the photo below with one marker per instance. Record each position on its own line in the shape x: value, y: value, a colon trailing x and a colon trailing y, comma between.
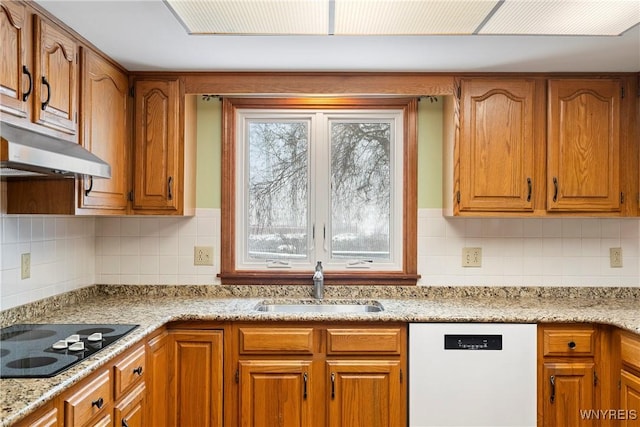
x: 89, y: 402
x: 630, y: 398
x: 584, y: 145
x: 131, y: 411
x: 276, y: 393
x: 44, y: 417
x: 157, y: 145
x: 355, y: 386
x: 129, y: 371
x: 56, y: 71
x: 196, y: 378
x: 568, y: 389
x: 16, y: 78
x: 496, y: 145
x: 157, y: 380
x: 104, y: 132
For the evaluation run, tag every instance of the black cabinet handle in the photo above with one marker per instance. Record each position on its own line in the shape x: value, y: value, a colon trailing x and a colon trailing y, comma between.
x: 530, y: 187
x: 305, y: 378
x: 138, y: 370
x: 555, y: 189
x: 169, y: 185
x: 98, y: 403
x: 552, y: 380
x: 333, y: 385
x: 88, y: 190
x: 26, y: 71
x: 572, y: 344
x: 46, y: 102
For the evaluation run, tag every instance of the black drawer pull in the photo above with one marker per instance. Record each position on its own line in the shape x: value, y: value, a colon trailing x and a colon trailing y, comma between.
x: 99, y: 403
x: 572, y: 345
x: 138, y: 370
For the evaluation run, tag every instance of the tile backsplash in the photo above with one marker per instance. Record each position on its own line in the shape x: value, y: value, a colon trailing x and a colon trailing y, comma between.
x: 73, y: 252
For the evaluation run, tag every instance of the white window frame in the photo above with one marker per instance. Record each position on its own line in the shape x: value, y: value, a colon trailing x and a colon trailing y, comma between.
x: 319, y: 206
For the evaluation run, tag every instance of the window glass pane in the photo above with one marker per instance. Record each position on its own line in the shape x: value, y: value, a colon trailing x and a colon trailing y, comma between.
x: 360, y: 189
x: 278, y: 183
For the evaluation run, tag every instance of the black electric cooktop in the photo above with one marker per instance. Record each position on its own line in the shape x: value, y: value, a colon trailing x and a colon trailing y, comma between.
x: 44, y: 350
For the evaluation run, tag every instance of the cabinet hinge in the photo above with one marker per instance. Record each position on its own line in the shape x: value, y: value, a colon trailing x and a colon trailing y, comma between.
x: 131, y: 196
x: 459, y: 92
x: 619, y: 384
x: 237, y: 376
x: 401, y: 377
x: 132, y: 91
x: 622, y: 92
x: 595, y: 378
x: 621, y: 197
x: 458, y: 197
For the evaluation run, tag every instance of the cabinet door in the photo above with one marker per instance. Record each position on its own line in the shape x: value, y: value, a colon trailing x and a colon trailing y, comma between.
x: 55, y: 87
x: 130, y: 412
x: 157, y: 379
x: 584, y: 145
x: 496, y: 145
x: 15, y: 73
x: 157, y: 139
x: 46, y: 417
x: 629, y: 398
x: 275, y: 393
x: 104, y: 132
x: 567, y: 390
x: 196, y: 383
x: 365, y: 393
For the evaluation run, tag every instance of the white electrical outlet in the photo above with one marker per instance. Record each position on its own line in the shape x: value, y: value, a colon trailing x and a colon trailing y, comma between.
x: 472, y: 257
x: 203, y: 255
x: 615, y: 257
x: 25, y: 266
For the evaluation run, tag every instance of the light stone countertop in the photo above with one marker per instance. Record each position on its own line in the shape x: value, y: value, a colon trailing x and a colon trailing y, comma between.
x: 154, y: 306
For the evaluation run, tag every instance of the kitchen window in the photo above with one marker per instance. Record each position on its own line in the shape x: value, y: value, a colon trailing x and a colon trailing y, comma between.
x: 329, y: 180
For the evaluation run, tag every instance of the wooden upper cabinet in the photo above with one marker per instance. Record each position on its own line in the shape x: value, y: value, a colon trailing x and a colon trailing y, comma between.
x: 583, y: 164
x: 55, y: 77
x: 157, y: 141
x: 104, y: 132
x: 496, y: 145
x: 15, y: 71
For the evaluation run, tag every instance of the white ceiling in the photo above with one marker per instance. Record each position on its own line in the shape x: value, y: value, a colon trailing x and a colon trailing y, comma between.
x: 145, y: 35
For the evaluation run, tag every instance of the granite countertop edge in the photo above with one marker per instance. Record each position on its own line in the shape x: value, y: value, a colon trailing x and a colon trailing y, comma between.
x: 152, y: 307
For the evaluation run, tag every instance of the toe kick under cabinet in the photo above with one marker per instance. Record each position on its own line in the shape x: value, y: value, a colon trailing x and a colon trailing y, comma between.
x: 313, y: 375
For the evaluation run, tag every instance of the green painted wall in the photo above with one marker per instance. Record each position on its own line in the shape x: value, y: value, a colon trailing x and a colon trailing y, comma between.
x: 208, y: 182
x: 209, y: 151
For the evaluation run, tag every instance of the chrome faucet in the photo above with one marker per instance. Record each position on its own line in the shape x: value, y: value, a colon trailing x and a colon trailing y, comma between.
x: 318, y: 282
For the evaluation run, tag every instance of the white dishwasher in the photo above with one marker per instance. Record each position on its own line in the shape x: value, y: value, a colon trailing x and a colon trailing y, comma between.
x: 472, y: 375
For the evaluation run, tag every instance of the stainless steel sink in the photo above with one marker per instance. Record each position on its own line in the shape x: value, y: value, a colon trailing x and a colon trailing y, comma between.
x: 322, y: 307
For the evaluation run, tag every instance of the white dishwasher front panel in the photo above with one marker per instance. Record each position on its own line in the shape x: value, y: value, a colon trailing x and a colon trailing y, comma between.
x: 472, y: 383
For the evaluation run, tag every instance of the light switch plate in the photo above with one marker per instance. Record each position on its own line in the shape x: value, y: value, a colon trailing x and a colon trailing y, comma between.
x: 25, y: 266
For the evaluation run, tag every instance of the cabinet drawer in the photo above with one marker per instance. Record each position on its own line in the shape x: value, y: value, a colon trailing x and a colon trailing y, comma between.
x: 129, y: 371
x: 630, y: 351
x: 276, y: 340
x: 351, y: 341
x: 569, y: 342
x: 89, y: 401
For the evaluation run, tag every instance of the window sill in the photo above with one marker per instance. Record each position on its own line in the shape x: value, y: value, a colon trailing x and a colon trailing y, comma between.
x: 330, y: 278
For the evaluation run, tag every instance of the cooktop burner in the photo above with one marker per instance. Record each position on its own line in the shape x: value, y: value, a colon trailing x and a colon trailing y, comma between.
x: 45, y: 350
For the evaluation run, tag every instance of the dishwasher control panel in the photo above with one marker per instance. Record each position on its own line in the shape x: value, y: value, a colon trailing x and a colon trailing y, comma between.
x: 472, y: 342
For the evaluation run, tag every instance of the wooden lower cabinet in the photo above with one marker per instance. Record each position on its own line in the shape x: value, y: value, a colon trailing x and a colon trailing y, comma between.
x: 158, y: 350
x: 196, y: 380
x: 317, y: 375
x: 44, y: 417
x: 569, y: 390
x: 131, y: 411
x: 629, y: 380
x: 276, y: 393
x: 365, y: 393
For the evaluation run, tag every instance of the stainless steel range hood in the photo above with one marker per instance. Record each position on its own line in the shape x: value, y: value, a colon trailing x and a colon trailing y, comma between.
x: 26, y: 153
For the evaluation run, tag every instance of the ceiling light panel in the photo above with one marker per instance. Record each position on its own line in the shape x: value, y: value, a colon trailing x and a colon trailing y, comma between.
x: 275, y: 17
x: 410, y: 17
x: 564, y: 17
